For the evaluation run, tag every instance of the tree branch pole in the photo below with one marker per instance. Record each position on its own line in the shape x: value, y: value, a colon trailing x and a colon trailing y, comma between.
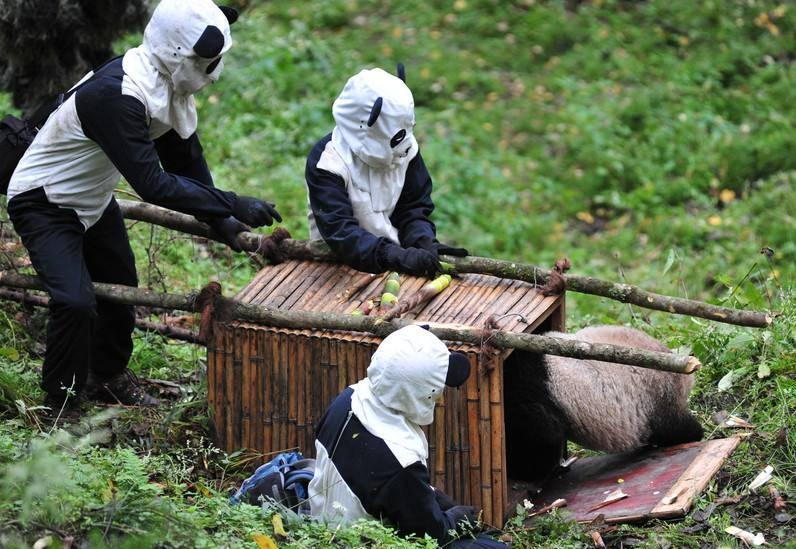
x: 319, y: 251
x: 166, y: 330
x: 230, y: 309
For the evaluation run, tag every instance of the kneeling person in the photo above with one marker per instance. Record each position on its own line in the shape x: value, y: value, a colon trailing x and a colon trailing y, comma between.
x: 369, y: 189
x: 371, y: 452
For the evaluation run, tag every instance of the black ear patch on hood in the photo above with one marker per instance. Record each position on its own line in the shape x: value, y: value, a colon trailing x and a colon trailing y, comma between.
x: 210, y: 43
x: 402, y: 72
x: 230, y: 13
x: 375, y: 112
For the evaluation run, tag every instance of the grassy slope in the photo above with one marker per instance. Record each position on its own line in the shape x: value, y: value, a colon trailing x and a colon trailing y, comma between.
x: 651, y: 141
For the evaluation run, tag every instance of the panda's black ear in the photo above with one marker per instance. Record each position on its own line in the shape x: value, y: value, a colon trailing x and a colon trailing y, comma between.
x: 375, y: 112
x: 210, y: 43
x: 402, y: 72
x: 230, y: 13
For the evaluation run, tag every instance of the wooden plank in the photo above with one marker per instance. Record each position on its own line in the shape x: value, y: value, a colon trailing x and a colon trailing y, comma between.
x: 502, y: 305
x: 276, y: 391
x: 485, y: 441
x: 558, y: 318
x: 305, y: 284
x: 438, y: 449
x: 229, y: 388
x: 326, y: 277
x: 463, y: 291
x: 293, y: 389
x: 694, y: 479
x: 648, y: 477
x: 257, y: 363
x: 326, y: 300
x: 472, y: 387
x: 498, y: 443
x: 246, y: 388
x: 267, y: 389
x: 284, y: 390
x: 251, y: 289
x: 283, y: 273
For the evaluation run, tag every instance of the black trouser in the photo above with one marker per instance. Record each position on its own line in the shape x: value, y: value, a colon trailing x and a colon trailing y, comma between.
x: 84, y: 334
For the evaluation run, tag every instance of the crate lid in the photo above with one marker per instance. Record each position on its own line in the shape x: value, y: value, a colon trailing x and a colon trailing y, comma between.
x: 330, y: 287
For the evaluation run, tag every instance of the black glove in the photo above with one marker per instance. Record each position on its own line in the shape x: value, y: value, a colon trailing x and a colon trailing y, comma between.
x: 412, y: 261
x: 444, y: 249
x: 443, y: 500
x: 461, y: 514
x: 437, y: 248
x: 255, y: 212
x: 228, y: 228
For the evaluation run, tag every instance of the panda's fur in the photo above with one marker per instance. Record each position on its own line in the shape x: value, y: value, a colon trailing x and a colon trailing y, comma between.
x: 600, y: 405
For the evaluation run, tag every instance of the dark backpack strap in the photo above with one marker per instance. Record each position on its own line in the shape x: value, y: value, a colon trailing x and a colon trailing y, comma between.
x: 40, y: 115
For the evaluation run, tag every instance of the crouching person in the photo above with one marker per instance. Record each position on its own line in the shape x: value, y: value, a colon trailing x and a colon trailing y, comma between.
x: 369, y: 189
x: 133, y: 117
x: 371, y: 452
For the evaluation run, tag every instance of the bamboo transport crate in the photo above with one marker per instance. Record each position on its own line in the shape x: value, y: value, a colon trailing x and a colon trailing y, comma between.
x: 268, y: 387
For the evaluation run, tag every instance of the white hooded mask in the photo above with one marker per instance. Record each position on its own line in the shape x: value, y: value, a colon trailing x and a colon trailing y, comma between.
x: 372, y: 145
x: 405, y: 379
x: 182, y: 51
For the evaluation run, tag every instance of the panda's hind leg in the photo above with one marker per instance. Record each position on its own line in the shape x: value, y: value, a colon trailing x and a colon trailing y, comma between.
x: 535, y: 429
x: 671, y: 429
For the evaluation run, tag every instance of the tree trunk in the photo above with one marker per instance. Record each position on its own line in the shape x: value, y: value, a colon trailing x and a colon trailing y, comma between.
x: 319, y: 251
x: 227, y: 309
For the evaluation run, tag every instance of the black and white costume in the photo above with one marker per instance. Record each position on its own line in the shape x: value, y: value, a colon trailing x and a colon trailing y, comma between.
x: 369, y: 189
x: 134, y: 117
x: 371, y: 452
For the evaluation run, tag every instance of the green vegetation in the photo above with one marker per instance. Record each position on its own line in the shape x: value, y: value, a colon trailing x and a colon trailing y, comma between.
x: 650, y: 142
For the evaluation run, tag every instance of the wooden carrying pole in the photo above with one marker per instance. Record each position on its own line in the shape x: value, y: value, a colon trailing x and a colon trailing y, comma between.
x: 166, y: 330
x: 319, y: 251
x: 229, y: 309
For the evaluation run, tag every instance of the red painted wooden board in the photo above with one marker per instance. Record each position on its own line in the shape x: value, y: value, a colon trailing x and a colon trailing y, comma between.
x: 648, y: 477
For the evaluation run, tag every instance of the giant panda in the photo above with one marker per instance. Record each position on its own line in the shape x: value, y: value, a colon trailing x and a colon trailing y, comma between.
x: 599, y: 405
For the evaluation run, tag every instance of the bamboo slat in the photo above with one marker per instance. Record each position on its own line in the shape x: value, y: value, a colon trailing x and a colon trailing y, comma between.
x: 246, y: 386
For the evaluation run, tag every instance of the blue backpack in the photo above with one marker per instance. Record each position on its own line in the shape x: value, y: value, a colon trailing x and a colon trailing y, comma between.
x: 284, y: 480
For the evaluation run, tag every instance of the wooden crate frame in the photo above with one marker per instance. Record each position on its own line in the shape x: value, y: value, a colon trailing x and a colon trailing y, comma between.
x: 269, y: 387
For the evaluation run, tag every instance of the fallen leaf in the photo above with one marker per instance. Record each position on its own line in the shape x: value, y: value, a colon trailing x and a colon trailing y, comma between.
x: 725, y: 383
x: 746, y: 537
x: 264, y: 542
x: 762, y: 477
x: 44, y: 542
x: 279, y: 527
x: 727, y: 195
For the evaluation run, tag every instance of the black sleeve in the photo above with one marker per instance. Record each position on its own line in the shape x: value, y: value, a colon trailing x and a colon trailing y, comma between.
x: 117, y: 123
x: 334, y: 216
x: 183, y: 157
x: 409, y: 501
x: 414, y: 207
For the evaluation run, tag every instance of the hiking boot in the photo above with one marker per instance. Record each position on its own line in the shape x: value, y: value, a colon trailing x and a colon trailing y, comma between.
x: 124, y: 389
x: 62, y: 407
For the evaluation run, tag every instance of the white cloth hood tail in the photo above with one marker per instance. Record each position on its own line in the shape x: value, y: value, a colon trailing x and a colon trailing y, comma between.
x: 182, y: 51
x: 405, y: 379
x: 374, y: 120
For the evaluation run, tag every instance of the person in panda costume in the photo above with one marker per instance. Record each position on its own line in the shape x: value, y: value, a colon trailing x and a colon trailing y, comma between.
x: 371, y: 451
x: 369, y: 189
x: 134, y: 117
